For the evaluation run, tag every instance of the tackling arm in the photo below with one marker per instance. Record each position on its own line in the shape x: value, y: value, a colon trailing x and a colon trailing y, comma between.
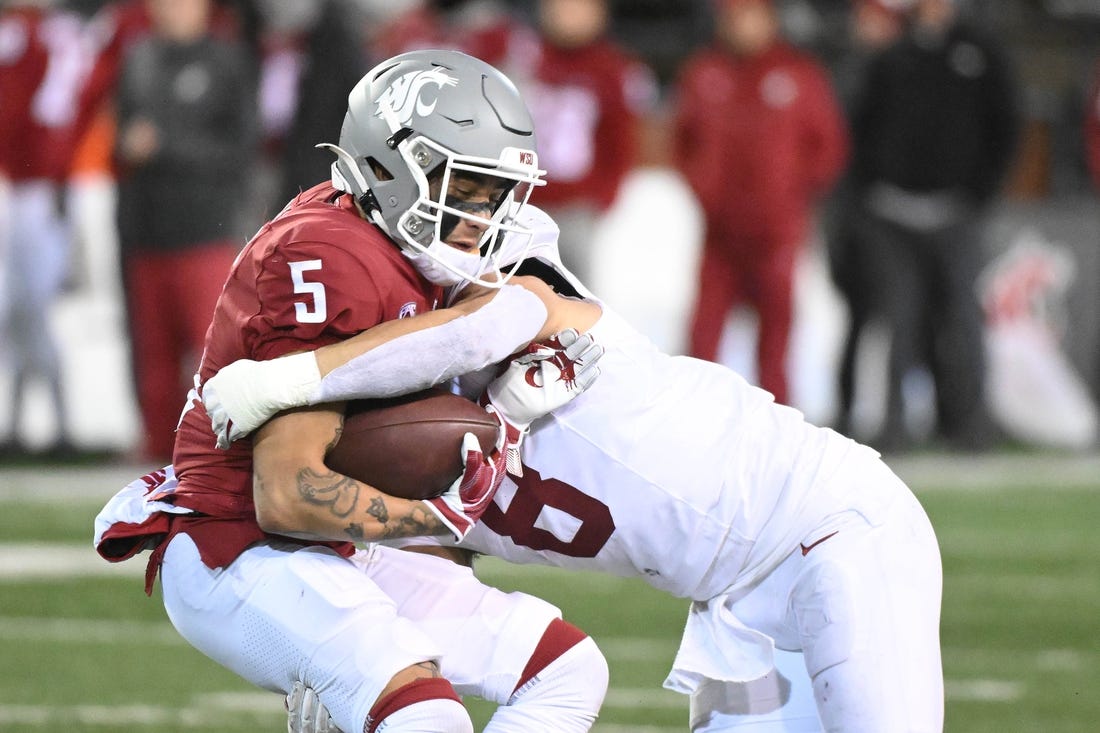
x: 478, y: 331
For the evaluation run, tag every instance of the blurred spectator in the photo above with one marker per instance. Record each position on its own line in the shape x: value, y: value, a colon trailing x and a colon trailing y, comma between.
x: 1092, y: 128
x: 119, y: 25
x: 41, y: 68
x: 934, y: 132
x: 481, y: 28
x: 113, y: 29
x: 873, y: 26
x: 310, y: 58
x: 759, y: 137
x: 588, y: 96
x: 186, y: 133
x: 1092, y: 159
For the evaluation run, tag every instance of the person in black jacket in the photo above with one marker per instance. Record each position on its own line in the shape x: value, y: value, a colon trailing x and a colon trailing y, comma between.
x: 186, y: 139
x: 934, y: 132
x: 873, y: 25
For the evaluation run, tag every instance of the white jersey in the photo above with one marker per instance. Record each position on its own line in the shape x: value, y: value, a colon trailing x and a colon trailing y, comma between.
x: 668, y: 468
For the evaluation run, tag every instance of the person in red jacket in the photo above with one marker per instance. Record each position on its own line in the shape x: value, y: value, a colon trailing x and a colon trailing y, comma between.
x: 588, y: 95
x: 759, y: 136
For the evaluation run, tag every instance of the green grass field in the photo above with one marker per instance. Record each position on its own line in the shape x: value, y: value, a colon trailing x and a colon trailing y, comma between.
x: 82, y: 649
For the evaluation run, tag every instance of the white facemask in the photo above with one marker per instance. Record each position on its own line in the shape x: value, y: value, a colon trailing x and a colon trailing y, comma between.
x: 430, y: 264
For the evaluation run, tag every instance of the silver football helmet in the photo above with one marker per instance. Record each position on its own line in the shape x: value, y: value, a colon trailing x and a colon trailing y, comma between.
x: 419, y: 119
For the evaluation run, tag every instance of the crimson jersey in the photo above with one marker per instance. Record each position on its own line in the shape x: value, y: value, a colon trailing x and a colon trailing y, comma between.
x: 316, y: 274
x: 587, y: 104
x: 42, y: 64
x: 758, y: 138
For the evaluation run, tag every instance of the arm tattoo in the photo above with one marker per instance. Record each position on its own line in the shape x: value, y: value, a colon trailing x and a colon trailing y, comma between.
x: 420, y: 521
x: 430, y: 667
x: 379, y: 510
x: 339, y: 493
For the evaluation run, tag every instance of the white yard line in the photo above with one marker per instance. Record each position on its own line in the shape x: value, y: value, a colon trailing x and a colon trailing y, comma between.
x: 984, y: 690
x: 1052, y: 471
x: 38, y: 560
x: 67, y: 483
x: 265, y: 713
x: 215, y: 711
x: 88, y: 631
x: 922, y: 471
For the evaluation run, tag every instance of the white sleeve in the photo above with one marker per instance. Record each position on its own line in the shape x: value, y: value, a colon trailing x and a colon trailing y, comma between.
x: 434, y: 355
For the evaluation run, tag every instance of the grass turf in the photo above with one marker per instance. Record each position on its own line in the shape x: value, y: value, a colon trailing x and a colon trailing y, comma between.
x: 1021, y: 615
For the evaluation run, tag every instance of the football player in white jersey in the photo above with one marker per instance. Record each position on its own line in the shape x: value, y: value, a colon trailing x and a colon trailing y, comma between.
x: 813, y: 572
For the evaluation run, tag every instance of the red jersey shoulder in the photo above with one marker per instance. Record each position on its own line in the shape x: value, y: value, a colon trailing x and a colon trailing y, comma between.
x: 321, y: 272
x: 325, y: 216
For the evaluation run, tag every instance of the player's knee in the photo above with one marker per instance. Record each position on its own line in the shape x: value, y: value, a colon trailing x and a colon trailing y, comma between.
x: 423, y: 705
x: 587, y: 674
x: 566, y: 676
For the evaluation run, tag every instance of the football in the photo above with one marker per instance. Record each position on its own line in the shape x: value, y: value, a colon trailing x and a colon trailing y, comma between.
x: 410, y: 446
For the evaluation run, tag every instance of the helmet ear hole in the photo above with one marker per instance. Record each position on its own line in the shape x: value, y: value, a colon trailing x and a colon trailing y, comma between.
x: 381, y: 172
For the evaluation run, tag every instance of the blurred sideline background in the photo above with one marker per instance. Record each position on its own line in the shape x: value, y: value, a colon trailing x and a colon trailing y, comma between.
x: 84, y: 652
x: 1042, y: 246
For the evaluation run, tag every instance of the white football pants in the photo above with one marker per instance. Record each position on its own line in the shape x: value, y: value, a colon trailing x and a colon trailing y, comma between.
x: 282, y: 613
x: 864, y: 609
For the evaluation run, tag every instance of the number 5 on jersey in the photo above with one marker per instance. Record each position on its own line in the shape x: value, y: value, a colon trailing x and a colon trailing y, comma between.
x: 315, y: 310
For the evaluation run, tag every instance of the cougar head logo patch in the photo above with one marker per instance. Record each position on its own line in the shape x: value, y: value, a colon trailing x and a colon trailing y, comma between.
x: 415, y: 92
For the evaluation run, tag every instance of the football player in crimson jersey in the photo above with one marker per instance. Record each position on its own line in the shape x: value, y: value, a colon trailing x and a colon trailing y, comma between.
x: 255, y: 543
x: 813, y: 571
x: 41, y: 69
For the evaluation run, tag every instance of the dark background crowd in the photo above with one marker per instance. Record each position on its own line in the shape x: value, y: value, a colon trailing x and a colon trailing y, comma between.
x: 896, y: 137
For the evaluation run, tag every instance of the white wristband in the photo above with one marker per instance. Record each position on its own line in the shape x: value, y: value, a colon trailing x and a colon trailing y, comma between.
x: 292, y: 379
x: 241, y: 396
x: 268, y: 387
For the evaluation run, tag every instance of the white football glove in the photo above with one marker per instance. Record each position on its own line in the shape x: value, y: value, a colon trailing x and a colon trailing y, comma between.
x: 244, y: 395
x: 305, y: 713
x: 548, y: 375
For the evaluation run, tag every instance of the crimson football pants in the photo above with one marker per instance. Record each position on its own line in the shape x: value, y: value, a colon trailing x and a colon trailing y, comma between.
x: 170, y: 297
x: 758, y: 272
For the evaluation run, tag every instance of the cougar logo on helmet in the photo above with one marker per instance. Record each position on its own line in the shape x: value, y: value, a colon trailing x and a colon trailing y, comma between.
x: 405, y: 95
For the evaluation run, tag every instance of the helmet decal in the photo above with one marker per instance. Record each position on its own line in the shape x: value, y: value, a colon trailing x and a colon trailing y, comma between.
x: 406, y: 94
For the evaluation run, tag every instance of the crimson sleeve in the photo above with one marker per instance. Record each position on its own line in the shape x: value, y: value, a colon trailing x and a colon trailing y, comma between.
x: 695, y: 156
x: 825, y: 143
